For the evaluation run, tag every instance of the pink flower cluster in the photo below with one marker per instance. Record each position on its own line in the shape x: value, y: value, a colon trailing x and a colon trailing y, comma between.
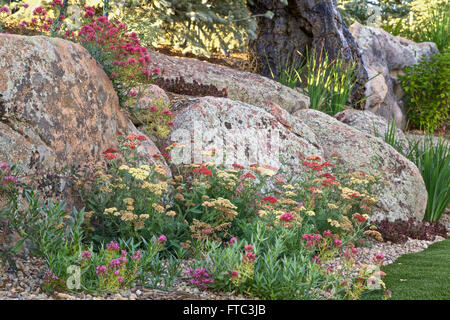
x: 112, y: 246
x: 288, y: 216
x: 378, y: 259
x: 125, y: 48
x: 230, y: 242
x: 85, y: 255
x: 249, y: 256
x: 4, y: 9
x: 200, y: 277
x: 315, y: 240
x: 49, y: 277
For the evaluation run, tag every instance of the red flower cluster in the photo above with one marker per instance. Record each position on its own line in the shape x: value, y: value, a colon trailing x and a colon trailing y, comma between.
x: 248, y: 175
x: 269, y: 199
x: 329, y: 179
x: 204, y: 170
x: 316, y: 166
x: 238, y: 166
x: 124, y: 48
x: 110, y: 153
x: 162, y: 154
x: 358, y: 217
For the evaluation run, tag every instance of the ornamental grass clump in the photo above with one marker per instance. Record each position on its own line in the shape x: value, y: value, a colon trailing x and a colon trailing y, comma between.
x: 432, y: 159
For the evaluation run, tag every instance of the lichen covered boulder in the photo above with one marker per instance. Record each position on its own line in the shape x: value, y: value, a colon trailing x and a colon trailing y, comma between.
x: 244, y: 133
x: 58, y: 108
x: 373, y: 124
x: 240, y: 86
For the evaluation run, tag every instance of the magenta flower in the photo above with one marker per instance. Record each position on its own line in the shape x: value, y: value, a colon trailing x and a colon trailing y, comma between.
x: 4, y: 9
x: 152, y: 108
x: 4, y: 165
x: 137, y: 256
x: 101, y: 271
x: 85, y: 255
x: 287, y: 217
x: 248, y: 247
x: 132, y: 61
x: 327, y: 233
x: 162, y: 239
x: 10, y: 179
x: 114, y: 263
x: 112, y: 246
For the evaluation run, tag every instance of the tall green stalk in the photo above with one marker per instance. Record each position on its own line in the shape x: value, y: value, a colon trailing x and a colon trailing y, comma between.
x: 433, y: 162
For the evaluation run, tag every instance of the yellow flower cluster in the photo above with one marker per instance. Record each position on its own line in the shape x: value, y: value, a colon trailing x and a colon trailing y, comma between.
x: 332, y: 206
x: 138, y: 173
x: 334, y: 223
x: 158, y: 208
x: 290, y: 194
x: 347, y: 193
x: 155, y: 188
x: 222, y: 205
x: 265, y: 171
x: 228, y: 177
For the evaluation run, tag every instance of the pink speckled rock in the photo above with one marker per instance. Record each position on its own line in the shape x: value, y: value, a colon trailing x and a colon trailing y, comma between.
x: 241, y: 86
x: 370, y: 123
x: 244, y: 133
x: 404, y: 197
x: 58, y: 107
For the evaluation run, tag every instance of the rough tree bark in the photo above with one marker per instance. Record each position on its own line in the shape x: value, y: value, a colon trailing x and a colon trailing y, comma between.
x: 297, y: 25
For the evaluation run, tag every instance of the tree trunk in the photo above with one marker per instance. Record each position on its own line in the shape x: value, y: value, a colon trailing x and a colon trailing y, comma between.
x: 301, y: 24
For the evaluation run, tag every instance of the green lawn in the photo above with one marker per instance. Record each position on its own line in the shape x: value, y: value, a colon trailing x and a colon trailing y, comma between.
x: 419, y: 276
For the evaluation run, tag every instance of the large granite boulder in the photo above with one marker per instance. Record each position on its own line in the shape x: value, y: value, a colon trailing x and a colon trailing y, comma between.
x: 405, y: 194
x: 58, y: 108
x: 240, y: 86
x: 384, y: 57
x: 240, y: 133
x: 373, y: 124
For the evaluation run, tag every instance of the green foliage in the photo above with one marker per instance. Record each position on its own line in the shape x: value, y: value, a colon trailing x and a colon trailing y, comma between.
x: 29, y: 221
x: 275, y: 262
x: 427, y: 86
x: 355, y: 10
x: 197, y: 26
x: 431, y: 24
x: 432, y: 159
x: 421, y: 20
x: 328, y: 83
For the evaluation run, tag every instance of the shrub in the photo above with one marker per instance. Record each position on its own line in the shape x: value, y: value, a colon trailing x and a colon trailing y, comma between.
x: 180, y: 86
x: 427, y: 86
x: 399, y: 230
